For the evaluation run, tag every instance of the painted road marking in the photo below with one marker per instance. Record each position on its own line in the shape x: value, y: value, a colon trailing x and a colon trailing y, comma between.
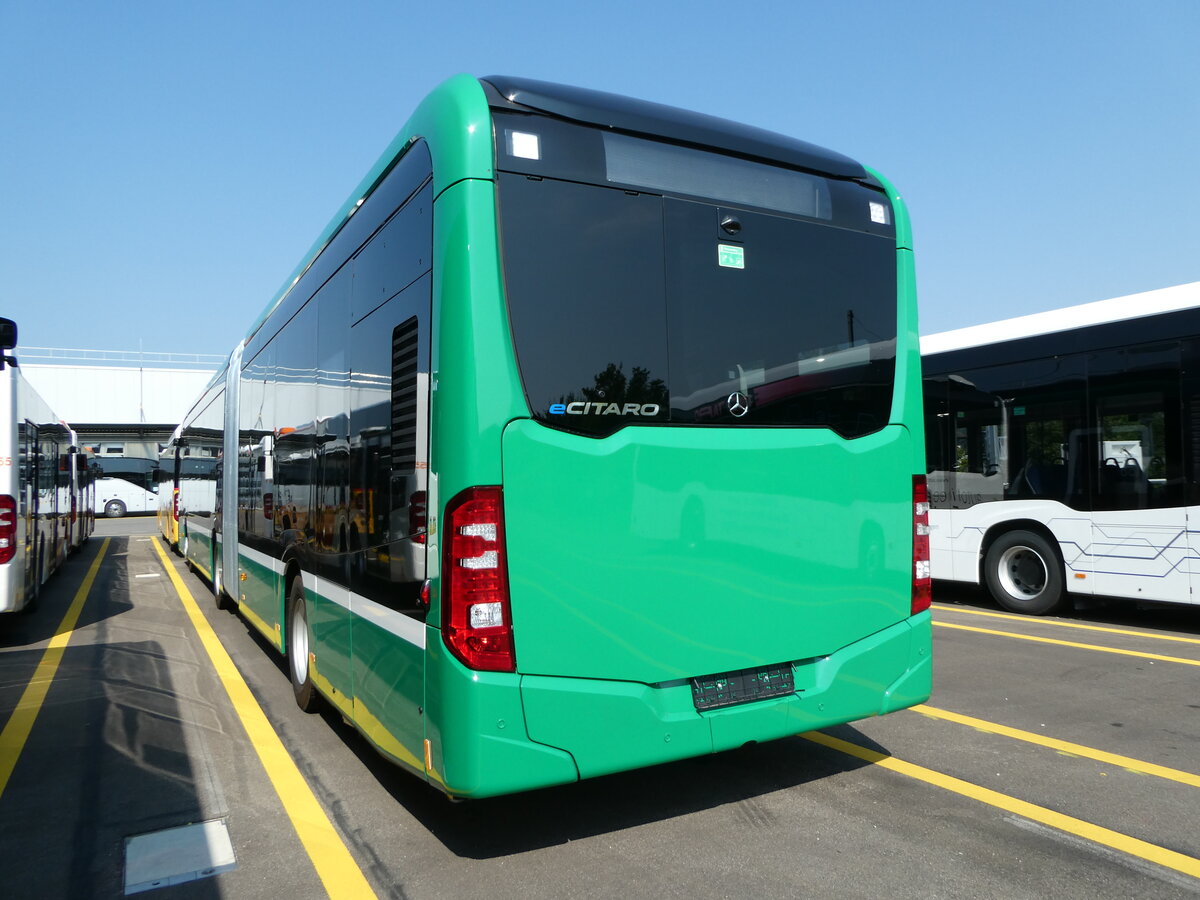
x: 20, y: 723
x: 1171, y: 859
x: 1098, y: 648
x: 335, y: 866
x: 1058, y: 623
x: 1113, y: 759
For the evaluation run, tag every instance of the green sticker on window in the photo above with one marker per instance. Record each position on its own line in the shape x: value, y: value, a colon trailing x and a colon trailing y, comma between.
x: 731, y: 257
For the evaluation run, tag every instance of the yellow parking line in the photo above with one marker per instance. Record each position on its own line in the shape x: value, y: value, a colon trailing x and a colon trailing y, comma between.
x: 335, y: 866
x: 1180, y: 862
x: 1113, y: 759
x: 1096, y: 647
x: 20, y: 723
x: 1058, y: 623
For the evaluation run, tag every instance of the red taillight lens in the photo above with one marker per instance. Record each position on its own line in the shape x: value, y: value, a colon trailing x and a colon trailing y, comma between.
x: 175, y: 504
x: 476, y: 620
x: 922, y: 584
x: 8, y: 528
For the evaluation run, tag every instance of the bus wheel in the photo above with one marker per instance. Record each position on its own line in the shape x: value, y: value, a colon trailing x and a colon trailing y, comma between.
x: 224, y: 601
x: 297, y: 653
x: 1023, y: 573
x: 114, y: 509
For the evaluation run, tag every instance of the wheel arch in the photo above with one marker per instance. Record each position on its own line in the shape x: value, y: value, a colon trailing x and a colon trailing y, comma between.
x: 1000, y: 529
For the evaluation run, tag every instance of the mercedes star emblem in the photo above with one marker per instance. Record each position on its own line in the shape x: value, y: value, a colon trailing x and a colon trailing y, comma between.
x: 739, y: 403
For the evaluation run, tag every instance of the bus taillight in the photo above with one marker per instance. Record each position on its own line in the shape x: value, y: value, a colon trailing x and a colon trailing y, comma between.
x: 476, y: 619
x: 922, y: 589
x: 8, y: 528
x: 175, y: 504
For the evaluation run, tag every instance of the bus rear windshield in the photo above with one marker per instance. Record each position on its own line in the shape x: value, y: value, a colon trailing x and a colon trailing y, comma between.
x: 650, y: 303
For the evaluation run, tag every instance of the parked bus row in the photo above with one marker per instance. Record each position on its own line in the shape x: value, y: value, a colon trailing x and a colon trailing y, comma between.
x: 1064, y: 452
x: 587, y: 436
x: 46, y: 486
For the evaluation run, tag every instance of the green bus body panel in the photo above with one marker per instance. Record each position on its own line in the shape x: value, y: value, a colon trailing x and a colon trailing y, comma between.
x: 329, y: 625
x: 475, y: 722
x: 916, y: 683
x: 259, y: 598
x: 476, y: 388
x: 907, y: 406
x: 665, y: 553
x: 389, y: 677
x: 199, y: 551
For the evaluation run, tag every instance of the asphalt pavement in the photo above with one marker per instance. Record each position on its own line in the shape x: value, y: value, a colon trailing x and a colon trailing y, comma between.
x: 1057, y: 757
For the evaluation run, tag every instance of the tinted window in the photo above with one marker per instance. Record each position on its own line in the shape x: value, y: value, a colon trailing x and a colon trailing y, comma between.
x: 388, y: 449
x: 606, y: 287
x: 332, y: 478
x: 395, y: 257
x: 802, y: 324
x: 584, y: 272
x: 295, y: 425
x: 1094, y: 431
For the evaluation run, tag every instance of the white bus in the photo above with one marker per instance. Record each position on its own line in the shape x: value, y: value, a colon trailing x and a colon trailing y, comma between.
x: 1064, y: 452
x: 125, y: 485
x: 40, y: 487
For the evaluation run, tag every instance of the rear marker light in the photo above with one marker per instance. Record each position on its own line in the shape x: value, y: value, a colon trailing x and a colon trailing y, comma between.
x: 8, y: 528
x: 922, y: 588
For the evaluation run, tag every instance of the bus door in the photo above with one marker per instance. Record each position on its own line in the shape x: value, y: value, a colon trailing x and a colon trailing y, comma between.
x: 1139, y: 519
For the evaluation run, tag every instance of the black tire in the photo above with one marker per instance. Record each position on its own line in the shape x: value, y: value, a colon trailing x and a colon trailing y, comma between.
x: 298, y: 642
x: 223, y: 600
x: 114, y: 509
x: 1024, y: 574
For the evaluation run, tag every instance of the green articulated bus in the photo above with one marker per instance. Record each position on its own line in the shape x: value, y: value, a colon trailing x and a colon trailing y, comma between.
x: 587, y: 436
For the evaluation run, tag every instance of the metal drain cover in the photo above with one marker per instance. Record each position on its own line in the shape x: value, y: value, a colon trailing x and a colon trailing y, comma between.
x: 177, y: 855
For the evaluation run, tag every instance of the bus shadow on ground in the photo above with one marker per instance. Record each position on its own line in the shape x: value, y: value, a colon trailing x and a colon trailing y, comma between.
x: 553, y: 816
x: 1179, y: 617
x: 107, y: 757
x: 40, y: 622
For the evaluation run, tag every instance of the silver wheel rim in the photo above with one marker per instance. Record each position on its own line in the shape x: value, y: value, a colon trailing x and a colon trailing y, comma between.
x: 1023, y: 573
x: 299, y: 638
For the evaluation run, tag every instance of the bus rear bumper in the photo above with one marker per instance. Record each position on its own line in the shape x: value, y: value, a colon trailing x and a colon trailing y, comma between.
x: 581, y: 727
x: 610, y: 726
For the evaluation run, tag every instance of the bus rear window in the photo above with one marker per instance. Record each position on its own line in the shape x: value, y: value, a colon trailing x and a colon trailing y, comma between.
x: 632, y: 307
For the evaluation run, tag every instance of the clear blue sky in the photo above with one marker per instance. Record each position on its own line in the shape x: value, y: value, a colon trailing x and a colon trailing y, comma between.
x: 163, y: 165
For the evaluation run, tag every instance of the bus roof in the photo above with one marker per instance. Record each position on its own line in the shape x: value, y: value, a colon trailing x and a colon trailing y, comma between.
x: 656, y: 119
x: 1117, y: 309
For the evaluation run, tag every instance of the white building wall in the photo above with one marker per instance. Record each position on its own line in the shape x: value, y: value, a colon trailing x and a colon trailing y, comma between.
x: 85, y: 395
